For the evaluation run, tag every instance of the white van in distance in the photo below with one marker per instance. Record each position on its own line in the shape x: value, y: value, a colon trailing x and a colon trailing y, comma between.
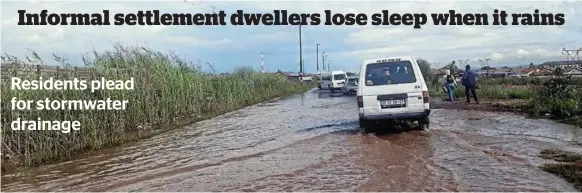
x: 333, y: 81
x: 392, y: 89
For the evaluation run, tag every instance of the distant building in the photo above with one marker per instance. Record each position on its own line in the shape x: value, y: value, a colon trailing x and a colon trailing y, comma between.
x: 573, y: 71
x: 289, y: 75
x: 439, y: 72
x: 561, y: 64
x: 546, y: 69
x: 351, y: 74
x: 307, y: 78
x: 532, y: 72
x: 501, y: 72
x: 442, y: 72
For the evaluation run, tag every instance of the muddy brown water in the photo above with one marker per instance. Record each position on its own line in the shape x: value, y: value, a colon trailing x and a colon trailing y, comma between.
x: 311, y: 142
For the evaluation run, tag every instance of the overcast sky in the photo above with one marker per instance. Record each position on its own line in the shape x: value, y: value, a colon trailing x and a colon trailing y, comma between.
x: 230, y: 46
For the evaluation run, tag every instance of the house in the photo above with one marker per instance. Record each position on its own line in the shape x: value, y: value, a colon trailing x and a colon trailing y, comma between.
x: 442, y: 72
x: 439, y: 72
x: 573, y: 71
x: 294, y: 76
x: 525, y: 72
x: 289, y: 75
x: 307, y: 78
x: 531, y: 72
x: 496, y: 72
x: 504, y: 72
x: 562, y: 64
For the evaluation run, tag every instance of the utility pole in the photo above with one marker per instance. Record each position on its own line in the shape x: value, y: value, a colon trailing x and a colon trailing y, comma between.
x: 317, y: 56
x: 323, y: 60
x: 300, y: 56
x: 262, y: 64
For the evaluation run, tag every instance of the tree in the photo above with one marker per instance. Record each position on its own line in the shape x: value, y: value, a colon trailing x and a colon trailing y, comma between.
x: 558, y: 71
x: 531, y: 65
x: 451, y: 66
x: 424, y: 67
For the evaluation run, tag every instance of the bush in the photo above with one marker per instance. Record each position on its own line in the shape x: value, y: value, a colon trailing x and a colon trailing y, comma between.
x: 485, y: 91
x: 533, y: 81
x: 518, y: 94
x: 559, y: 97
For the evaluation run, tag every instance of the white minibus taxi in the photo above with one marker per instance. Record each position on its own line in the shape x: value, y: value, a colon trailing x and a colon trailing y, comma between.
x: 392, y: 89
x: 333, y: 81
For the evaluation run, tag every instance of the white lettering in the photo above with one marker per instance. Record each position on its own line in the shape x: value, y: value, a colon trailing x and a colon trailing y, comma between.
x: 20, y: 104
x: 388, y: 60
x: 41, y: 125
x: 107, y: 104
x: 104, y: 84
x: 14, y: 83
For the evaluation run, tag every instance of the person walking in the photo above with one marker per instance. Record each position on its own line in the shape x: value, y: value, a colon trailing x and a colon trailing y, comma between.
x: 450, y: 84
x: 470, y: 81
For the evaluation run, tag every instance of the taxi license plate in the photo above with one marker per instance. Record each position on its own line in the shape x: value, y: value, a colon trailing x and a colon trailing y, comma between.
x: 393, y: 103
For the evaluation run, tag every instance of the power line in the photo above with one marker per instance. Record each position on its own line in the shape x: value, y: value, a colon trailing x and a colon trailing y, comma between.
x: 484, y: 62
x: 463, y: 62
x: 571, y: 54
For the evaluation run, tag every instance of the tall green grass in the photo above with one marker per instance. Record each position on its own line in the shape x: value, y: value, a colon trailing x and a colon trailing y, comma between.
x: 561, y: 98
x: 169, y: 92
x: 487, y: 91
x: 500, y: 88
x: 532, y: 81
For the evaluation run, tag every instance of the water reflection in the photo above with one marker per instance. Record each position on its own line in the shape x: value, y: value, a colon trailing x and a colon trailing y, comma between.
x: 281, y: 146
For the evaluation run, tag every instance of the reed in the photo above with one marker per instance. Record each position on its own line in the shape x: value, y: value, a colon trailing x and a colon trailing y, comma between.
x: 169, y: 92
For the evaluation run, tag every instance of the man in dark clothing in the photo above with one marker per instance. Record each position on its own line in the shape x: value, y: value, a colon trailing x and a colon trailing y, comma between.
x: 470, y: 82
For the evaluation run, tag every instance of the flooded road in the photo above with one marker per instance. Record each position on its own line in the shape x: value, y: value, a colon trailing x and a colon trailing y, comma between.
x: 311, y: 142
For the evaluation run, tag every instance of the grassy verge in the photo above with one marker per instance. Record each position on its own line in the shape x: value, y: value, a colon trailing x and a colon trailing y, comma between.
x: 169, y: 92
x: 556, y: 98
x: 488, y: 91
x: 568, y: 168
